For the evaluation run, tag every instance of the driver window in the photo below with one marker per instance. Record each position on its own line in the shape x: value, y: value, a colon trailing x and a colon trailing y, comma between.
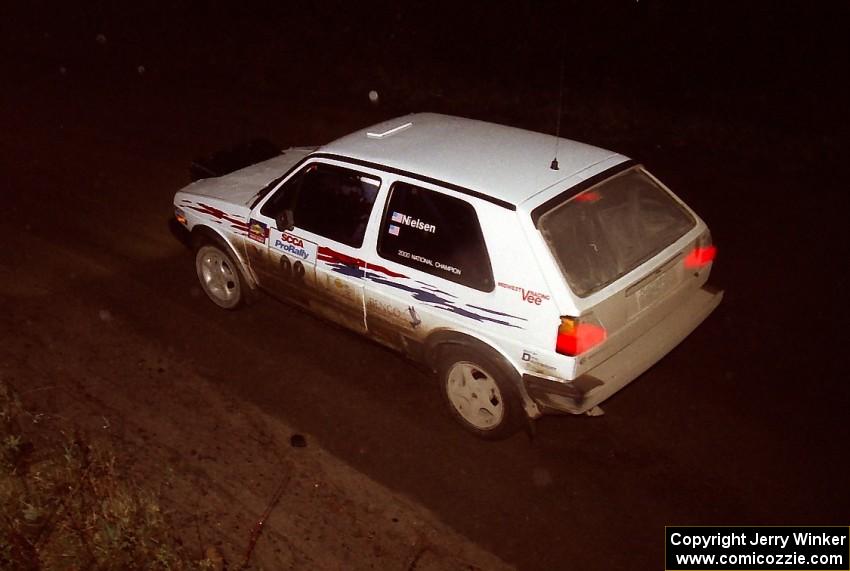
x: 327, y: 200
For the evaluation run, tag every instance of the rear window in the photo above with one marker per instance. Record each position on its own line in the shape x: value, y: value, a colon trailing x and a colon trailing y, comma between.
x: 611, y: 228
x: 437, y: 234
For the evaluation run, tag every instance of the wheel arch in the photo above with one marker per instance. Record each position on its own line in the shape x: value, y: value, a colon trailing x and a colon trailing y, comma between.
x: 443, y: 338
x: 201, y: 234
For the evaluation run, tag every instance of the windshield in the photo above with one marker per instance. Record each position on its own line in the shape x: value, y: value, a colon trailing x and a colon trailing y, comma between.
x: 611, y: 228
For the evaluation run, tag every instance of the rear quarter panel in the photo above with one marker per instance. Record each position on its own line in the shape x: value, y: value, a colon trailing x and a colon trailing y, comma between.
x: 521, y: 290
x: 515, y: 316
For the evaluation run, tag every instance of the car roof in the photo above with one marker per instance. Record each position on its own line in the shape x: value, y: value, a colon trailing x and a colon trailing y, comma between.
x: 508, y: 164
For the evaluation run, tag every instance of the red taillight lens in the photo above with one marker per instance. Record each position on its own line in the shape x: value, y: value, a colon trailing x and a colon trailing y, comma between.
x: 575, y: 336
x: 703, y: 253
x: 700, y: 256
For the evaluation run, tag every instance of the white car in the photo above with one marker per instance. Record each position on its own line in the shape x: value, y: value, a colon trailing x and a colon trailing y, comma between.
x: 530, y: 285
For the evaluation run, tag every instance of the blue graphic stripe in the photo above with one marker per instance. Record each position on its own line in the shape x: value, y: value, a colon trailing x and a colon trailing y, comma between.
x: 493, y: 311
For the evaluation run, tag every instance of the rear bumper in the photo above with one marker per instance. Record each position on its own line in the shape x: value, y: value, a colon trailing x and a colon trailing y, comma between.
x: 593, y: 387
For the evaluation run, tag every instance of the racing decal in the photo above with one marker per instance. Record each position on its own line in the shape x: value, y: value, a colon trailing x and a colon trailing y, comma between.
x: 447, y: 268
x: 342, y: 263
x: 396, y: 315
x: 434, y: 289
x: 257, y: 231
x: 532, y: 297
x: 350, y: 266
x: 235, y: 223
x: 494, y: 312
x: 414, y: 317
x: 400, y: 218
x: 293, y: 245
x: 432, y: 299
x: 292, y: 272
x: 534, y: 363
x: 419, y: 291
x: 429, y: 262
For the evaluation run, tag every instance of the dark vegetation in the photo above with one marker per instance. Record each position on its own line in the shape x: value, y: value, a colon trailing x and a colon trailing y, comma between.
x: 67, y: 503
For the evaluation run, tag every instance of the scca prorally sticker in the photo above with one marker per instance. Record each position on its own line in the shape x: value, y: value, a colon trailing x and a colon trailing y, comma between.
x: 532, y: 297
x: 257, y: 231
x: 400, y: 218
x: 293, y: 245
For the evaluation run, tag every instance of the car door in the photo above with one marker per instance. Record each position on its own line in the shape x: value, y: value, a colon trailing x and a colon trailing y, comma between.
x: 309, y: 240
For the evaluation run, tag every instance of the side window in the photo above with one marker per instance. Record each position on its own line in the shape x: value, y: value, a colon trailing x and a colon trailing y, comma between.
x: 327, y: 200
x: 284, y: 197
x: 437, y: 234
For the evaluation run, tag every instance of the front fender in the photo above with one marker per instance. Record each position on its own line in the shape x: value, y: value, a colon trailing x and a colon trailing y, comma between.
x: 201, y: 234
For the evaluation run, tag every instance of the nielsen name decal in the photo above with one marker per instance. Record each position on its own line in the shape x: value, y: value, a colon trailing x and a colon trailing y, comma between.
x: 401, y: 218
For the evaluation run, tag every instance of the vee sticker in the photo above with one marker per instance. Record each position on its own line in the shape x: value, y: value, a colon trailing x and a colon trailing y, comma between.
x: 531, y: 296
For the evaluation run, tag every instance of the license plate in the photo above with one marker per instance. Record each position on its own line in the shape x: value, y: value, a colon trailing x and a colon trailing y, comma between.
x: 653, y: 291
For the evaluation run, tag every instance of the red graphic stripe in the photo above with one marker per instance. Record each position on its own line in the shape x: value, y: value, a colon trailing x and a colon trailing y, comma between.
x: 328, y: 255
x: 221, y: 215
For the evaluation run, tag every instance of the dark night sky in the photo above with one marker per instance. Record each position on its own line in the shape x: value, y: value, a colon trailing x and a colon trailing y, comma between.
x: 767, y: 79
x: 750, y: 57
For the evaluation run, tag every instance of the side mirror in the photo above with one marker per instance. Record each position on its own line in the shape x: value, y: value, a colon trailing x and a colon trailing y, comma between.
x: 285, y: 220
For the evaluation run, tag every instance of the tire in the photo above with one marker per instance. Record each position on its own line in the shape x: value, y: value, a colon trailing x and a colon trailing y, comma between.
x: 480, y: 392
x: 220, y: 276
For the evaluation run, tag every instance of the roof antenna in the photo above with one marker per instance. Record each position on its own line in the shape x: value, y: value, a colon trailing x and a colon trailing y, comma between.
x: 554, y: 164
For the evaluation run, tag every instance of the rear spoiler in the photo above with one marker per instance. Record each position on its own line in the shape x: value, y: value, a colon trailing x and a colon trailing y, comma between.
x: 233, y: 158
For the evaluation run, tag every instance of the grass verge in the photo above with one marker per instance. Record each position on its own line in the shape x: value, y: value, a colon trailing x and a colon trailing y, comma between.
x: 66, y: 503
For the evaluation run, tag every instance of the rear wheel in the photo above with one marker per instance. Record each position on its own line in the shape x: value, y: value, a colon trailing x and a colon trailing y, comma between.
x: 480, y: 393
x: 220, y: 276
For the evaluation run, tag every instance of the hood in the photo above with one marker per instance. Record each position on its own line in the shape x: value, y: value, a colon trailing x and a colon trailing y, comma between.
x: 240, y: 187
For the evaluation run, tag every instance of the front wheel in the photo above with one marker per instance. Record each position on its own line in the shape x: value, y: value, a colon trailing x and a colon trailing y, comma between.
x: 220, y: 276
x: 479, y: 393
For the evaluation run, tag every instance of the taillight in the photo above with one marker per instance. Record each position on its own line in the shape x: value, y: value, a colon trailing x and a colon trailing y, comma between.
x: 579, y: 334
x: 703, y: 253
